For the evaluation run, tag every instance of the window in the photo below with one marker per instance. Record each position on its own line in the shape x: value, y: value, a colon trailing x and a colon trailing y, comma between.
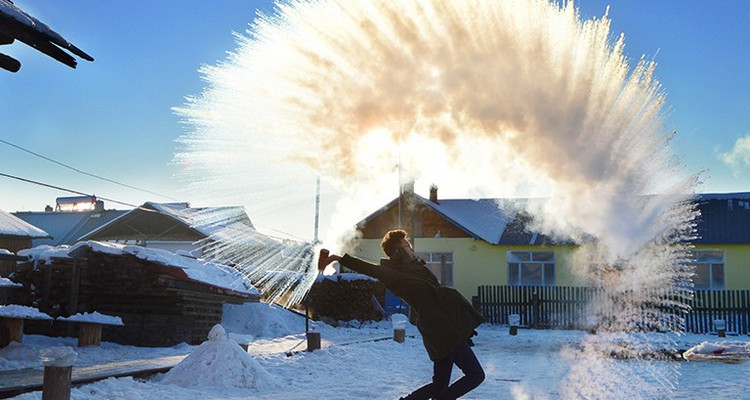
x: 709, y: 268
x: 441, y: 265
x: 531, y: 268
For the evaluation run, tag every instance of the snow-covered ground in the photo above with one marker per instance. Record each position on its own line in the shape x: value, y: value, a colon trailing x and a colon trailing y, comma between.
x: 353, y: 364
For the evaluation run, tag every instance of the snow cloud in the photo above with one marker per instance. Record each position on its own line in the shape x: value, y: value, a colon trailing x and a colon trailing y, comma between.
x: 739, y: 157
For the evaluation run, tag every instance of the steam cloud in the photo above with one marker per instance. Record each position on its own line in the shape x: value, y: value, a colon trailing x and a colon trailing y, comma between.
x: 508, y: 98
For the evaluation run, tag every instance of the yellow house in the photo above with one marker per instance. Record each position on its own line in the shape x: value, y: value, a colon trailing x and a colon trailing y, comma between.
x: 471, y: 243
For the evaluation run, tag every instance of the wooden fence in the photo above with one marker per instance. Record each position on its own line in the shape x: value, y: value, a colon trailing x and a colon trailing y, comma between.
x: 560, y: 307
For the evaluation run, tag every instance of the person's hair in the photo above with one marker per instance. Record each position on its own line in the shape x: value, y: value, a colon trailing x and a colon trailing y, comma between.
x: 392, y: 241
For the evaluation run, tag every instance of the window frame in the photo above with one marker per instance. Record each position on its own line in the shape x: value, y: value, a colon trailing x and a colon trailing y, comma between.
x: 539, y: 262
x: 435, y: 265
x: 696, y: 259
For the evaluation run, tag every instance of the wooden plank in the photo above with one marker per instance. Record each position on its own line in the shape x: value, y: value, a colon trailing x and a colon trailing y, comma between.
x: 19, y: 381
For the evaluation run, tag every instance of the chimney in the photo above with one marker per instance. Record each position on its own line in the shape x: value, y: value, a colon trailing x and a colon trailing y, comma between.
x: 433, y: 194
x: 406, y: 206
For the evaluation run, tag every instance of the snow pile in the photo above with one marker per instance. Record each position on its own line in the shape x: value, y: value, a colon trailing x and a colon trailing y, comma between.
x: 94, y: 318
x: 60, y: 356
x: 261, y: 320
x: 725, y: 350
x: 5, y: 282
x: 19, y: 311
x: 19, y: 355
x: 219, y: 363
x: 45, y: 252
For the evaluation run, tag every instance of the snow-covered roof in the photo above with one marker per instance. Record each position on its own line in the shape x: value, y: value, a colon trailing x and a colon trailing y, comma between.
x: 93, y: 318
x: 725, y: 218
x: 484, y: 219
x: 19, y: 311
x: 14, y: 226
x: 199, y: 270
x: 17, y: 24
x: 217, y: 223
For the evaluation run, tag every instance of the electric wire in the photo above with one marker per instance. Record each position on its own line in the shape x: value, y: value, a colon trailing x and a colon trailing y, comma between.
x: 84, y: 172
x: 64, y: 189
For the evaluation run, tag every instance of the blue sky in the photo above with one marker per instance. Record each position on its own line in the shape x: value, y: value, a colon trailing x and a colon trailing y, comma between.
x: 114, y: 117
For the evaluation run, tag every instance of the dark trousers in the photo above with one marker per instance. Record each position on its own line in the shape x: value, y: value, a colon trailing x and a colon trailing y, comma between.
x: 463, y: 357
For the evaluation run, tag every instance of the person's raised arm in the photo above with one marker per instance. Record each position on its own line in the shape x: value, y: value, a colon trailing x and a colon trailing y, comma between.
x: 353, y: 263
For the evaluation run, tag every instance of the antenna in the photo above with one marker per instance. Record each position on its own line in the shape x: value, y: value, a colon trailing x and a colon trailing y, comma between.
x: 317, y: 211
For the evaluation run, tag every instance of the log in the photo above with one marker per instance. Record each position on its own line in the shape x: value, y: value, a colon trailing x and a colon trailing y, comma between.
x: 89, y: 334
x: 56, y: 384
x: 11, y: 330
x: 313, y: 341
x: 399, y: 335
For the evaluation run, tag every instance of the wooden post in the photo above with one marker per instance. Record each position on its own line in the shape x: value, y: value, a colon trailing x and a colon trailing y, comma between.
x: 313, y: 341
x: 46, y: 284
x: 399, y: 335
x: 56, y: 384
x: 89, y: 334
x: 11, y: 330
x: 58, y: 370
x: 75, y: 282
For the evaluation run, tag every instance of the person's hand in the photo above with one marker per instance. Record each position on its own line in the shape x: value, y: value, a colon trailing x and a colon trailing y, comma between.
x: 323, y: 261
x: 331, y: 258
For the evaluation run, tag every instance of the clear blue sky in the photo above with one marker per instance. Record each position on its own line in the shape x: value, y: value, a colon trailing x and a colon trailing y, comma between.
x: 113, y: 117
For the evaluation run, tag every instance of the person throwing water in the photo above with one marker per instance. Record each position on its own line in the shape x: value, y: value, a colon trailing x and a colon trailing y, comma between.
x: 446, y: 320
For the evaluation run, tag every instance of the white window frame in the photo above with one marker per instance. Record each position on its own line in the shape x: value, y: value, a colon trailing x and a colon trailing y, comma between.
x: 699, y: 259
x: 519, y: 261
x: 434, y: 262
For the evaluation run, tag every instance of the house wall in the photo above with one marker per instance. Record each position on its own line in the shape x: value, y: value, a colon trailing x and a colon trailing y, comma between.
x: 476, y: 262
x: 736, y: 264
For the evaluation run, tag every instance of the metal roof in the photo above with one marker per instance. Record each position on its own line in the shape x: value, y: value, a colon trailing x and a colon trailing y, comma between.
x: 66, y: 227
x: 724, y: 219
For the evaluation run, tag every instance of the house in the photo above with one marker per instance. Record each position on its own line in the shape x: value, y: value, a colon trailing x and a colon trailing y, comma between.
x: 722, y: 249
x: 469, y: 243
x: 175, y: 227
x: 15, y: 235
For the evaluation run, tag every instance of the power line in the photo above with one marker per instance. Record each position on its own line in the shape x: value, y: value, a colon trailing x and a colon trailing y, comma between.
x: 83, y: 172
x: 64, y: 189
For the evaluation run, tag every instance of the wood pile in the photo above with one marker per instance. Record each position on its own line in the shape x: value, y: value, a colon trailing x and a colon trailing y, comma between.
x: 157, y: 304
x: 344, y: 300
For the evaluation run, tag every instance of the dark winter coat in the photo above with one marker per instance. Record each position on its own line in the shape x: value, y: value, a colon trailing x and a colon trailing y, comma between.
x: 444, y: 317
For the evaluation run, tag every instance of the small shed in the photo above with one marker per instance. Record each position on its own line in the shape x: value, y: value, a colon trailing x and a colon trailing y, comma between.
x: 162, y: 298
